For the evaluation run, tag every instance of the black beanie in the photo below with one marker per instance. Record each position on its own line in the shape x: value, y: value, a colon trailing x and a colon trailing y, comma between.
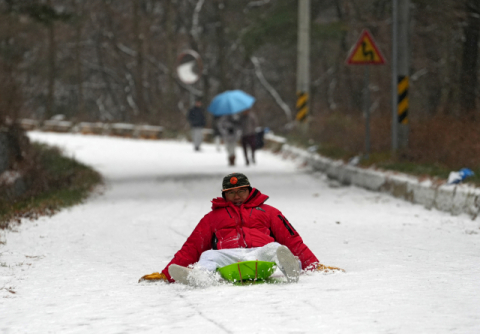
x: 235, y: 180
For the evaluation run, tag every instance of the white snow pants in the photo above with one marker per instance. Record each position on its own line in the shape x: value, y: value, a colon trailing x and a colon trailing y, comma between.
x: 213, y: 259
x: 230, y: 145
x: 197, y: 137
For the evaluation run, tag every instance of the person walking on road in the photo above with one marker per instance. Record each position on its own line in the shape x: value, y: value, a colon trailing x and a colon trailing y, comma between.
x: 227, y: 106
x: 216, y: 132
x: 229, y: 127
x: 219, y: 239
x: 196, y: 118
x: 248, y: 125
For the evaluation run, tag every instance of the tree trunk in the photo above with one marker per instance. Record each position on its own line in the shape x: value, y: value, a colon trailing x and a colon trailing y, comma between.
x: 120, y: 110
x: 221, y: 45
x: 138, y: 38
x: 169, y: 98
x: 345, y: 72
x: 468, y: 82
x: 78, y: 59
x: 51, y: 68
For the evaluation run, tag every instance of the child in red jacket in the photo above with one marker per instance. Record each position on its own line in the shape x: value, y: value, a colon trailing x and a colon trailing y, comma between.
x: 240, y: 227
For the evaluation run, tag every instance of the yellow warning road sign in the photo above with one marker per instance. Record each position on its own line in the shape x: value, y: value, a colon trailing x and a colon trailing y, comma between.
x: 365, y: 51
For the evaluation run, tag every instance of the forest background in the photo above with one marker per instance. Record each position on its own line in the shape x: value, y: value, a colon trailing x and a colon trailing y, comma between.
x: 114, y: 61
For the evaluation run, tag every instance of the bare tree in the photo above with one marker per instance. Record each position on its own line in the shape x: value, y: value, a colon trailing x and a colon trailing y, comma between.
x: 469, y: 72
x: 78, y: 7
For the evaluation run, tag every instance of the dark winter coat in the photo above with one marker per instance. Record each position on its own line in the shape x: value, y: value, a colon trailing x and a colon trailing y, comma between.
x: 196, y: 118
x: 253, y: 224
x: 248, y: 124
x: 229, y: 127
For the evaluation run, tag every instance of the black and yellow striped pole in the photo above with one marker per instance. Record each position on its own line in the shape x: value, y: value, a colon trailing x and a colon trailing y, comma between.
x: 400, y: 71
x: 302, y: 107
x: 402, y: 92
x: 303, y: 65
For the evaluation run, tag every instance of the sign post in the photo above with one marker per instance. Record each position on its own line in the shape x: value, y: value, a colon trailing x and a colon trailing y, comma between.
x: 402, y: 72
x: 366, y: 52
x: 394, y: 76
x: 189, y: 69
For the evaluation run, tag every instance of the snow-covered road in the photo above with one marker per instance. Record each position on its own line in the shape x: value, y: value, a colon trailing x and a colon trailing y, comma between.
x: 409, y: 270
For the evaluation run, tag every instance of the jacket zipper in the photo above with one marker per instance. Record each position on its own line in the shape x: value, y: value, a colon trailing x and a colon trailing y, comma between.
x: 241, y: 224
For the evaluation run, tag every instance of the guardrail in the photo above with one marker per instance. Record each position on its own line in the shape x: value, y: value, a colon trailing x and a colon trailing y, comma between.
x: 456, y: 199
x: 98, y: 128
x: 57, y: 126
x: 87, y: 128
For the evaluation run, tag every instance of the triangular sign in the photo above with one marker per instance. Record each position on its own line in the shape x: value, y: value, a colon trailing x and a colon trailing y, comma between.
x: 365, y: 51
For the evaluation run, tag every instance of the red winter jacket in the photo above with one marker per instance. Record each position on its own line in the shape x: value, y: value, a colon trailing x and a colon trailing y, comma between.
x: 253, y: 224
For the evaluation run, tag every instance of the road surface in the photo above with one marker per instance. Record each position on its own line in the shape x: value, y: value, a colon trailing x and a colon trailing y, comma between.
x: 408, y: 270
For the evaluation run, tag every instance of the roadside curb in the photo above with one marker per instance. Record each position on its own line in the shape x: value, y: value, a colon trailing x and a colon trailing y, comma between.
x: 456, y: 199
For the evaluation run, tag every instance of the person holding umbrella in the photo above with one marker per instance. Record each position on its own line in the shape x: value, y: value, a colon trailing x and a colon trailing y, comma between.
x: 228, y: 105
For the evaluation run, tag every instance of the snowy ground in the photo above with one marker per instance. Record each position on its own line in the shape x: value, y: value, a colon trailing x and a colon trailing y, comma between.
x: 409, y: 270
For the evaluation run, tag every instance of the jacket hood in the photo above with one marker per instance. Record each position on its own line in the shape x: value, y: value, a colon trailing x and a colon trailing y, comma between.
x: 256, y: 198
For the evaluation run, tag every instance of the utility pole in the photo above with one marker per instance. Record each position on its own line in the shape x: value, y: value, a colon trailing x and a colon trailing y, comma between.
x: 394, y: 76
x: 303, y: 62
x: 400, y: 73
x: 403, y: 71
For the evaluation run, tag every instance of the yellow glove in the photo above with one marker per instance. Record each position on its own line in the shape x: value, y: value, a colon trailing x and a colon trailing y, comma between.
x: 321, y: 267
x: 154, y: 277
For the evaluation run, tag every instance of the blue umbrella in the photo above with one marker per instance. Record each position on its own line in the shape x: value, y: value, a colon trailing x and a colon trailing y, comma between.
x: 230, y: 102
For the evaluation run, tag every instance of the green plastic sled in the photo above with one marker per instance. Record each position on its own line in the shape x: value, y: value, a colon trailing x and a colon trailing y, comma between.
x: 248, y: 271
